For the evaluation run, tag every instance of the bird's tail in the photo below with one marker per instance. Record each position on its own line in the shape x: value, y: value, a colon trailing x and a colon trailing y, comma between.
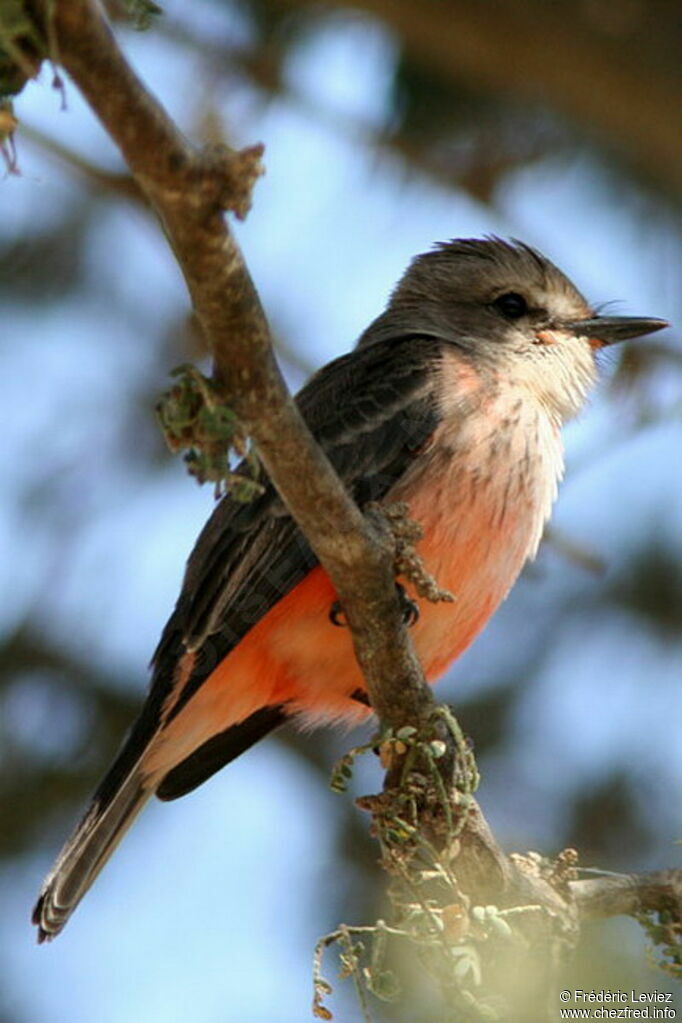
x: 86, y: 852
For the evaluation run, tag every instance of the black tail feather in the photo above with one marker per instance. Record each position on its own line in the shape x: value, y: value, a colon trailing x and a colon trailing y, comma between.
x: 85, y: 853
x: 218, y: 751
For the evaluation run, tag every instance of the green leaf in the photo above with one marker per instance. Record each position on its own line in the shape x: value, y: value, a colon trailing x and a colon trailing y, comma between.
x: 142, y: 12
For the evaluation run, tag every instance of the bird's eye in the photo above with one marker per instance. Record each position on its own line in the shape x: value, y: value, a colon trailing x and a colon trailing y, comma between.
x: 512, y: 305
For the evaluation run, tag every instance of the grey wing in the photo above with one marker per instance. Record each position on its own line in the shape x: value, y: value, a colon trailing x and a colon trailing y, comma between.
x: 370, y: 410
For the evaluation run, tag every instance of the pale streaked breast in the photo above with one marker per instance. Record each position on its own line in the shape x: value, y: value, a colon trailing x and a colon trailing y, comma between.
x: 482, y: 492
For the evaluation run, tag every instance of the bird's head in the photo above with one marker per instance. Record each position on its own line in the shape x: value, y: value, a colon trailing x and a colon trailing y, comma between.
x: 512, y: 310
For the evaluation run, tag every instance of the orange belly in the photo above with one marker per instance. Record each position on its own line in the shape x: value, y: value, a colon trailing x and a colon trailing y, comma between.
x: 479, y: 529
x: 295, y: 655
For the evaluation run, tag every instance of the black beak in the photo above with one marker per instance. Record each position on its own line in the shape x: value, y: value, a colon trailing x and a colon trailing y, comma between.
x: 610, y: 329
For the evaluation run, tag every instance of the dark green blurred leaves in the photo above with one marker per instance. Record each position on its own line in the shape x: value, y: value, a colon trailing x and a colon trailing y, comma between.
x: 21, y: 47
x: 142, y: 12
x: 53, y: 256
x: 650, y: 586
x: 60, y: 722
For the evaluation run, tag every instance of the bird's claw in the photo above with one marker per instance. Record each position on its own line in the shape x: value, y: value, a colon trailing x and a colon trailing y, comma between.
x: 336, y: 615
x: 408, y: 608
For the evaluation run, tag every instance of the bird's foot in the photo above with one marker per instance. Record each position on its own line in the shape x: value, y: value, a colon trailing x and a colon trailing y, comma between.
x: 408, y: 562
x: 336, y: 615
x: 408, y: 608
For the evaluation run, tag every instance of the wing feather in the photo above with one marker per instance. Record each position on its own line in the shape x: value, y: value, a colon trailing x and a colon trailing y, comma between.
x: 370, y: 410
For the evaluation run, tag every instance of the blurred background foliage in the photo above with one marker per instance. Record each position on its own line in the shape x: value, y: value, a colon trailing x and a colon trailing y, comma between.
x: 389, y: 124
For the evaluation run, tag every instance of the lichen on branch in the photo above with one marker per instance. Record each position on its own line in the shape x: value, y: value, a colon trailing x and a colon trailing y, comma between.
x: 194, y: 419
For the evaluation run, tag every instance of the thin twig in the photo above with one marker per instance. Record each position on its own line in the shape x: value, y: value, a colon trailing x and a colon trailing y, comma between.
x: 628, y: 894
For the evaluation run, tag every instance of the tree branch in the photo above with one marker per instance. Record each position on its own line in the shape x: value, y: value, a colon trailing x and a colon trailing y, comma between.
x: 190, y: 189
x: 117, y: 184
x: 629, y: 894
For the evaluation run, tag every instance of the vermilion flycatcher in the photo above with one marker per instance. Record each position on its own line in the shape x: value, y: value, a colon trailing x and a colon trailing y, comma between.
x: 452, y: 402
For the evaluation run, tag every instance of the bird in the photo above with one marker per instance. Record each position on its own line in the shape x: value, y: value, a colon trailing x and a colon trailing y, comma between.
x: 452, y: 403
